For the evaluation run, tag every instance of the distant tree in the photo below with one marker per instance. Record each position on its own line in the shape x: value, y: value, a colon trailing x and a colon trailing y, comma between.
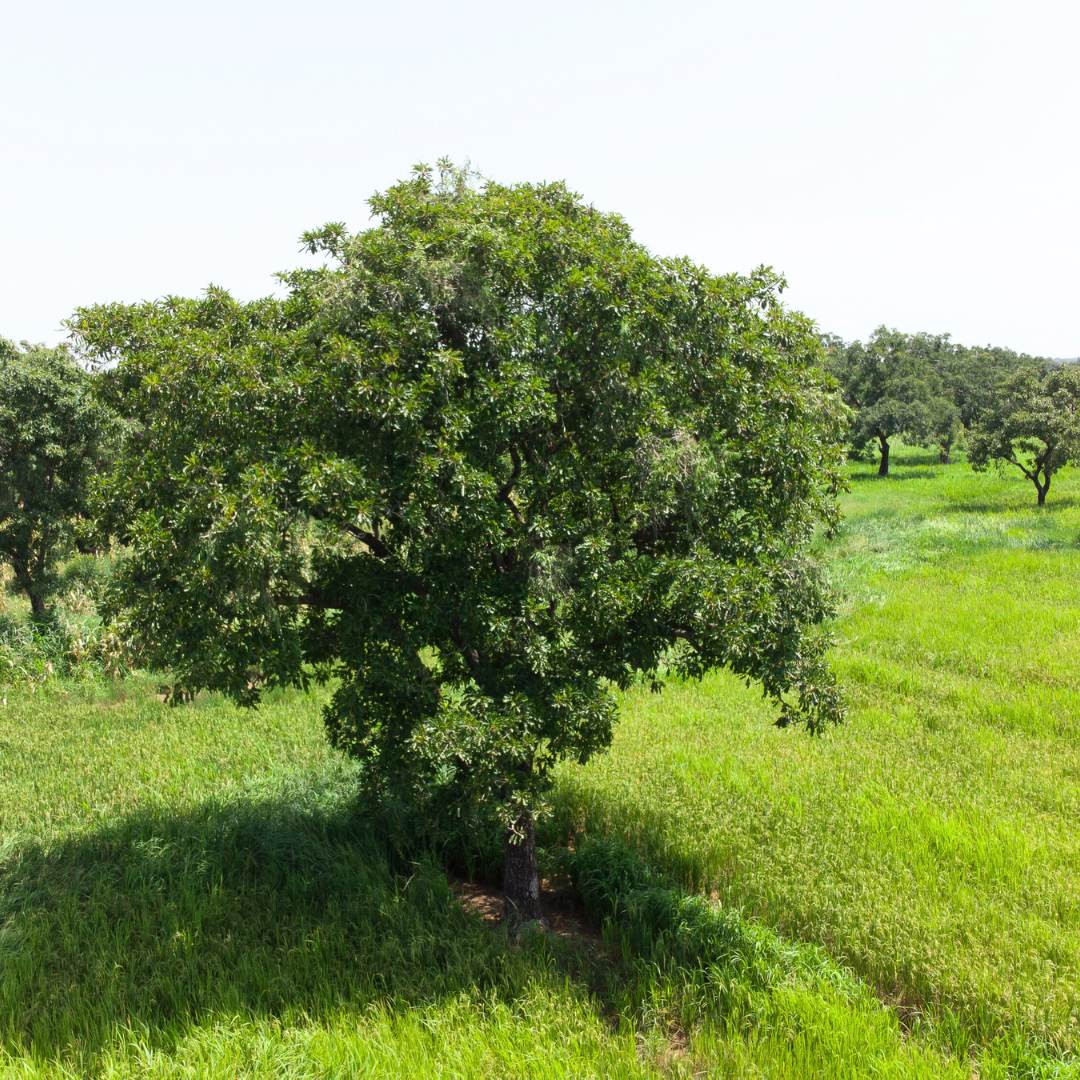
x: 53, y: 438
x: 970, y: 376
x: 492, y: 462
x: 892, y: 386
x: 944, y: 425
x: 1033, y: 423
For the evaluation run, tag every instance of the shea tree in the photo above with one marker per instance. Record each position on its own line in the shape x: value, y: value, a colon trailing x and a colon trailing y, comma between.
x: 54, y: 435
x: 892, y: 386
x: 971, y: 376
x: 1032, y: 423
x: 491, y: 462
x: 944, y: 425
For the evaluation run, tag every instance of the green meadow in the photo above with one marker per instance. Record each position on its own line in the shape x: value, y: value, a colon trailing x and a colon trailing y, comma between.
x: 190, y: 892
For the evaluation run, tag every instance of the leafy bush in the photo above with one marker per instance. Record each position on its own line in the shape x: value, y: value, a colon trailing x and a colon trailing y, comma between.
x: 84, y: 575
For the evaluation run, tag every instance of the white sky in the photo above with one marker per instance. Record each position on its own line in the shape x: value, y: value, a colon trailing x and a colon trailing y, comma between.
x: 913, y: 163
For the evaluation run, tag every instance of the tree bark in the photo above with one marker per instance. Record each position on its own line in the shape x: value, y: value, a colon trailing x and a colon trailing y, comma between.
x: 24, y: 580
x: 521, y: 877
x: 883, y: 468
x: 943, y: 456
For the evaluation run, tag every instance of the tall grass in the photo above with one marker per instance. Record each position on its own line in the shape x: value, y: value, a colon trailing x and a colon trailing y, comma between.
x: 931, y: 842
x: 192, y: 892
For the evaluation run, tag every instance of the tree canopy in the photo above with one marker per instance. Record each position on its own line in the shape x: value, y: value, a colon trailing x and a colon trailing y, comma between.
x: 53, y: 438
x: 1032, y: 423
x: 490, y: 461
x: 972, y: 374
x: 892, y: 386
x: 918, y: 386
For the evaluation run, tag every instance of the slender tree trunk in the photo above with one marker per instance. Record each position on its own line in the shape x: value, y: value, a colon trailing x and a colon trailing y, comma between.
x: 943, y: 456
x: 521, y: 878
x: 38, y: 607
x: 883, y: 468
x: 1042, y: 489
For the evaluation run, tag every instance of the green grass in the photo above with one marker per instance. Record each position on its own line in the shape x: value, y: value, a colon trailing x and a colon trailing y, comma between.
x: 932, y: 842
x: 189, y: 892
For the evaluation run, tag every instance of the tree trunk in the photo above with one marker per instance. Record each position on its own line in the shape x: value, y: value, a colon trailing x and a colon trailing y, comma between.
x: 943, y: 456
x: 521, y: 878
x: 1042, y: 489
x: 883, y: 468
x: 38, y: 607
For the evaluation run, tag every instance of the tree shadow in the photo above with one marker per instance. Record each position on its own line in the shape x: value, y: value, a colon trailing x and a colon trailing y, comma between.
x: 252, y: 909
x: 983, y: 506
x: 292, y: 908
x: 894, y: 476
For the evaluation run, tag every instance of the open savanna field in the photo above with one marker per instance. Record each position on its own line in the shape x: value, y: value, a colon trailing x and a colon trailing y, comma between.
x: 190, y: 892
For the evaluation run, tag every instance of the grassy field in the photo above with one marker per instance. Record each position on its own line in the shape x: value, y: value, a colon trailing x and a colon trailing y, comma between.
x: 188, y: 892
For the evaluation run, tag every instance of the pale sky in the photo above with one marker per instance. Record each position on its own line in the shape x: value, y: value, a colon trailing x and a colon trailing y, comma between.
x: 914, y: 164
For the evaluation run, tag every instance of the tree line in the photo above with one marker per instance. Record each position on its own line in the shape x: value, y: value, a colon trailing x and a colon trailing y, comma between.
x: 1009, y: 409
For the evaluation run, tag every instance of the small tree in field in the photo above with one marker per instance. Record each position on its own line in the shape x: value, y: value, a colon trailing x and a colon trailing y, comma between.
x: 892, y: 387
x: 944, y: 425
x: 490, y: 463
x: 53, y: 434
x: 1032, y: 423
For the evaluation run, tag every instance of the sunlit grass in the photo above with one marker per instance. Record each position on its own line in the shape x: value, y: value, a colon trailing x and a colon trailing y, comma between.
x: 190, y: 892
x: 932, y: 841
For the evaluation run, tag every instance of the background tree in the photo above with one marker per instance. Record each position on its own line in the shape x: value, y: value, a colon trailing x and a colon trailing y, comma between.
x: 53, y: 438
x: 944, y: 425
x: 892, y: 387
x: 971, y: 375
x: 491, y: 462
x: 1033, y: 423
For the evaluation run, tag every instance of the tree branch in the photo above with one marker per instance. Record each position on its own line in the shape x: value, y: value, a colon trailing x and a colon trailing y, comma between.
x: 506, y: 490
x: 371, y: 539
x: 468, y: 653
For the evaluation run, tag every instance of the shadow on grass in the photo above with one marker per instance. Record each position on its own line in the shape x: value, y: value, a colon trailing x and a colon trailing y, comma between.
x: 983, y: 506
x: 289, y: 908
x: 894, y: 476
x: 264, y: 908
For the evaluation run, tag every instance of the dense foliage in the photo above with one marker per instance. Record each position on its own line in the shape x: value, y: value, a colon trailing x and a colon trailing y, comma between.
x: 893, y: 387
x: 54, y: 436
x: 971, y: 376
x: 920, y: 387
x: 1032, y: 423
x: 491, y: 461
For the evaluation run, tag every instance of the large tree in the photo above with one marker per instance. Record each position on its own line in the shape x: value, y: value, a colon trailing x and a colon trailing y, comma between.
x: 1032, y: 423
x: 53, y: 437
x: 491, y: 462
x: 892, y: 386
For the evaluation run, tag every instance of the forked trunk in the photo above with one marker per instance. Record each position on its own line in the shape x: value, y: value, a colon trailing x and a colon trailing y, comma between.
x: 521, y: 878
x: 1041, y: 487
x: 883, y: 468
